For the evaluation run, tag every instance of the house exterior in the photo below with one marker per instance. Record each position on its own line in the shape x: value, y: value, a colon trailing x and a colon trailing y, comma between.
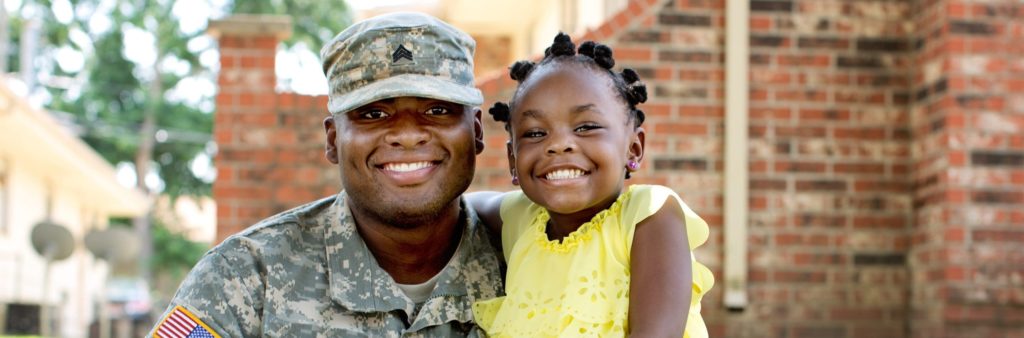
x: 43, y: 167
x: 861, y: 163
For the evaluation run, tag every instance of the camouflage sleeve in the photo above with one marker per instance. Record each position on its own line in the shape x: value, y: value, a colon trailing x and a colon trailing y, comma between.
x: 220, y: 293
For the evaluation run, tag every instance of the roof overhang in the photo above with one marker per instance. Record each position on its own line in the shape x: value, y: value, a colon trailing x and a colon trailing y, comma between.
x: 34, y: 140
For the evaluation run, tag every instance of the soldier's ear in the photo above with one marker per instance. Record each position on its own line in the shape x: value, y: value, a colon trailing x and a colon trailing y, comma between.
x: 478, y: 130
x: 331, y: 147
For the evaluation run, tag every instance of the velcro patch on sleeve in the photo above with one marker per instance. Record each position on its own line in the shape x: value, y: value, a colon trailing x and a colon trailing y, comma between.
x: 180, y: 323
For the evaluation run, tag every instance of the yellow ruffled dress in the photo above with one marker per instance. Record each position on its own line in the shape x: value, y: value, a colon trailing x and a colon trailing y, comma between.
x: 579, y: 287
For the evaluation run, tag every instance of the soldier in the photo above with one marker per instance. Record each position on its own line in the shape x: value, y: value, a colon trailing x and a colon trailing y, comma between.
x: 397, y: 253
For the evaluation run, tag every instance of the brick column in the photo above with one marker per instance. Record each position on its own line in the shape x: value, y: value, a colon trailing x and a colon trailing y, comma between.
x: 245, y: 117
x: 968, y: 118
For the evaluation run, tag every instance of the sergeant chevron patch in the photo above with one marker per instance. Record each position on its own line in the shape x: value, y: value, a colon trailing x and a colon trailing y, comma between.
x: 401, y: 53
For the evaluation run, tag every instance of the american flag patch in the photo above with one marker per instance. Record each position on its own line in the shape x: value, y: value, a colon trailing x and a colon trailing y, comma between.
x: 182, y: 324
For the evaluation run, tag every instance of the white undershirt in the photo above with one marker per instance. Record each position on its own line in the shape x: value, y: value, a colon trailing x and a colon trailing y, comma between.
x: 419, y: 293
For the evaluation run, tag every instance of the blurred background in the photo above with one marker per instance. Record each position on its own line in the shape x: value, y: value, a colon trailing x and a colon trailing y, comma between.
x: 861, y: 162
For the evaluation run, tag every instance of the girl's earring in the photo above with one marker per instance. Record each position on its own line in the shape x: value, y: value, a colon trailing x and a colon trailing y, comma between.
x: 633, y: 165
x: 515, y: 180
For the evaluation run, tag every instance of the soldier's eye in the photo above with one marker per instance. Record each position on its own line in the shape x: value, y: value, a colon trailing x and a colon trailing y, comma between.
x: 437, y: 111
x: 373, y: 115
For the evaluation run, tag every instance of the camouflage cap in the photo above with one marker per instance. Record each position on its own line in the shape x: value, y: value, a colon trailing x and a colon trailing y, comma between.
x: 399, y: 54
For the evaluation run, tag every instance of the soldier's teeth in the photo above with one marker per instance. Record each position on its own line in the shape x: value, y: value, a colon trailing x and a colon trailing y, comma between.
x: 563, y: 174
x: 406, y: 167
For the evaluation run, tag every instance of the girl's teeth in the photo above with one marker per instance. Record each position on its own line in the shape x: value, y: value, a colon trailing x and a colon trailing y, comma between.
x: 563, y: 174
x: 406, y: 167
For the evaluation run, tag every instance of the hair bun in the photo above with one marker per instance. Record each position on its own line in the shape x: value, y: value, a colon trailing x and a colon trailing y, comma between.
x: 630, y: 75
x: 499, y: 111
x: 563, y: 45
x: 638, y: 93
x: 639, y: 117
x: 603, y: 56
x: 520, y: 69
x: 587, y: 48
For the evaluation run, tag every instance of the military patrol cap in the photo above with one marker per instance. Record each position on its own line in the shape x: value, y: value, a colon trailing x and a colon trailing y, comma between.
x: 395, y: 55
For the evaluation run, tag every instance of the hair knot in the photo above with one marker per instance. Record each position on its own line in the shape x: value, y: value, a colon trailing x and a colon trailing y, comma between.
x: 499, y: 111
x: 630, y: 75
x: 587, y: 49
x: 520, y: 70
x: 563, y: 46
x: 603, y: 56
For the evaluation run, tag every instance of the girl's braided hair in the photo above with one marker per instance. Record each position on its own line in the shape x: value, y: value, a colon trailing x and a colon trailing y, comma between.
x: 627, y: 84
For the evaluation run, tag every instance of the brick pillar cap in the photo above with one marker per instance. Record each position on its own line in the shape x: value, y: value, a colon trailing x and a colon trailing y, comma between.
x: 279, y: 26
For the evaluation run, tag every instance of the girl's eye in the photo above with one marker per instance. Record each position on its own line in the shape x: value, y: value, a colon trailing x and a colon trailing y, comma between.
x: 437, y: 111
x: 373, y: 115
x: 533, y: 134
x: 586, y: 127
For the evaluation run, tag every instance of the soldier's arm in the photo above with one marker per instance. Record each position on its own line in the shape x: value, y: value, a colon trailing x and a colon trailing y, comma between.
x: 488, y: 206
x: 219, y: 295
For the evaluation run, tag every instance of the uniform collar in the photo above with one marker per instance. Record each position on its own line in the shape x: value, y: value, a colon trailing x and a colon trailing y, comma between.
x: 359, y: 284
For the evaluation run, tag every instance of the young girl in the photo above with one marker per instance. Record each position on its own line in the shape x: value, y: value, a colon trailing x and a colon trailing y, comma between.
x: 586, y: 256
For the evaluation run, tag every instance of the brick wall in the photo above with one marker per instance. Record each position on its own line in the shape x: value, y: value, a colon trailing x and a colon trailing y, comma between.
x: 270, y: 145
x: 968, y: 122
x: 886, y: 156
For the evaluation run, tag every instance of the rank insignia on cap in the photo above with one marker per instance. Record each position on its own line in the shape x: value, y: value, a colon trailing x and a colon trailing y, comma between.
x: 401, y: 53
x: 182, y: 324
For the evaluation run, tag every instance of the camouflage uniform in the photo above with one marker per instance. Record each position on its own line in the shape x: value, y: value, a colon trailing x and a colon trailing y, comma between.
x: 307, y: 273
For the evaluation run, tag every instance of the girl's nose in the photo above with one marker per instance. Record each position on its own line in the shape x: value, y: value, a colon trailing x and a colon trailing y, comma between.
x: 561, y: 144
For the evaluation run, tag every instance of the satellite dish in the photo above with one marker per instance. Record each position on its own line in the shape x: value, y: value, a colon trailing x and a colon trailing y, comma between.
x: 114, y: 244
x: 52, y: 241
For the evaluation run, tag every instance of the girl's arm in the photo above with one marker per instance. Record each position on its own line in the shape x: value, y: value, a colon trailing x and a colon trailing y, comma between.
x: 661, y: 280
x: 488, y: 206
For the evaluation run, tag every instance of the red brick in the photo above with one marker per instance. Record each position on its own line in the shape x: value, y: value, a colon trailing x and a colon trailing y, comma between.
x: 223, y: 136
x: 955, y: 273
x: 804, y: 60
x: 265, y: 43
x: 680, y: 128
x: 780, y: 113
x: 1008, y: 236
x: 860, y: 168
x: 860, y: 133
x: 954, y: 235
x: 760, y: 23
x: 687, y: 111
x: 881, y: 222
x: 795, y: 276
x: 800, y: 166
x: 228, y: 42
x: 857, y: 314
x: 824, y: 114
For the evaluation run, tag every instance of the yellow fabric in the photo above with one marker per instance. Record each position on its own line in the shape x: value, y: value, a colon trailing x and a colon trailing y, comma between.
x: 580, y: 286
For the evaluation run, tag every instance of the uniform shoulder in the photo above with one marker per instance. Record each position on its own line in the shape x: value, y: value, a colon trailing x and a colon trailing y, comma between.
x: 297, y: 223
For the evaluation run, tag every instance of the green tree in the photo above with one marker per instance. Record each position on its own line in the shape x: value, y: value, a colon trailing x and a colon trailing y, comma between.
x: 315, y: 21
x: 175, y: 255
x: 124, y: 107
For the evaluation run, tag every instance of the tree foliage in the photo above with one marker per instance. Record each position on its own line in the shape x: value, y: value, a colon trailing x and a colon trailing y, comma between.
x: 111, y: 95
x: 174, y: 253
x: 315, y: 21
